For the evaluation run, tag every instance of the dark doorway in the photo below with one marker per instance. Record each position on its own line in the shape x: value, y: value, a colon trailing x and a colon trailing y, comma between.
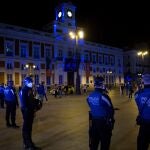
x: 70, y: 78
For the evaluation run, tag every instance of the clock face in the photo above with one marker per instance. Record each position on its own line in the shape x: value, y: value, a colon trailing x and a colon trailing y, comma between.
x: 69, y: 13
x: 59, y: 14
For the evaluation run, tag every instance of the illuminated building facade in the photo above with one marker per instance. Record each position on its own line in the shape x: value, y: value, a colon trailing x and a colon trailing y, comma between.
x: 136, y: 62
x: 50, y: 56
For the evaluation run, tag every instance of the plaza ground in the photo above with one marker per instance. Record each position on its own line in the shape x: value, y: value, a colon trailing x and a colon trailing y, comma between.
x: 62, y: 124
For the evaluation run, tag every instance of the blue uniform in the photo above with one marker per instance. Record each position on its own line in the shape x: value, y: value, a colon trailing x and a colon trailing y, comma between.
x: 142, y: 98
x: 1, y: 90
x: 10, y: 94
x: 28, y: 110
x: 26, y: 98
x: 41, y: 92
x: 11, y: 103
x: 2, y: 96
x: 102, y: 113
x: 100, y: 105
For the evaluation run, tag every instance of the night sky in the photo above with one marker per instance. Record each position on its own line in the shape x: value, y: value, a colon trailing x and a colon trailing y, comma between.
x: 123, y: 24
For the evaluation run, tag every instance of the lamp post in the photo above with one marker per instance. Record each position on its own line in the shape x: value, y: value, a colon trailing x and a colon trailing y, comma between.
x: 78, y: 34
x: 142, y: 54
x: 109, y: 73
x: 31, y: 68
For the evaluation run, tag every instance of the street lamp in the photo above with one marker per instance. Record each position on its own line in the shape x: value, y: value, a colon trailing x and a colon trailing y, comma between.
x: 30, y: 67
x: 78, y: 34
x: 109, y: 73
x: 142, y: 54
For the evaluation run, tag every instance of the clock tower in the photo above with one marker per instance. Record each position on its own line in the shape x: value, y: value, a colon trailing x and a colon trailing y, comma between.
x: 65, y: 13
x: 64, y: 18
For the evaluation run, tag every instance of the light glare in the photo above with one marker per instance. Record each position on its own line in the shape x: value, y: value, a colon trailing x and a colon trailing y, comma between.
x: 81, y: 34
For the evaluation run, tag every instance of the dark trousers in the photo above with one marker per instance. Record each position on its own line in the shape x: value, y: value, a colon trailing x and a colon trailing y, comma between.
x: 130, y: 94
x: 28, y: 117
x: 10, y: 112
x: 2, y: 101
x: 100, y: 133
x: 143, y: 138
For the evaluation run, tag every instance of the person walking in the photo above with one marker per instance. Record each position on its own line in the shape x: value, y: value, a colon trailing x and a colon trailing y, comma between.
x: 142, y: 98
x: 41, y: 92
x: 102, y: 116
x: 122, y: 89
x: 59, y: 91
x: 11, y: 101
x: 27, y: 102
x: 130, y: 91
x: 84, y: 89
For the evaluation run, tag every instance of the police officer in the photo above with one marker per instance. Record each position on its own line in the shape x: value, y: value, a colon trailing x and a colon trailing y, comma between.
x: 142, y: 98
x: 28, y: 112
x: 11, y: 101
x: 102, y: 113
x: 41, y: 91
x: 2, y: 95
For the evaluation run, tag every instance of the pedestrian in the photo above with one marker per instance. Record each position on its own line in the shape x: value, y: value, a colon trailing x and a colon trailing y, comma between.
x: 27, y: 102
x: 59, y: 91
x: 102, y: 114
x: 127, y: 88
x: 41, y: 91
x: 130, y: 91
x: 84, y: 89
x: 11, y: 101
x: 122, y: 89
x: 142, y: 98
x: 55, y: 91
x: 20, y: 88
x: 2, y: 95
x: 66, y: 88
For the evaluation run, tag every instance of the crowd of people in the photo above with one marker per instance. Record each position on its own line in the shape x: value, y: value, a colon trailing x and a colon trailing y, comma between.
x: 127, y: 89
x: 60, y: 90
x: 101, y: 114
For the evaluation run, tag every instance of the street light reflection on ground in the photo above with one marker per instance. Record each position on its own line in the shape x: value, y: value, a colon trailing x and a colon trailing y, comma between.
x: 78, y: 34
